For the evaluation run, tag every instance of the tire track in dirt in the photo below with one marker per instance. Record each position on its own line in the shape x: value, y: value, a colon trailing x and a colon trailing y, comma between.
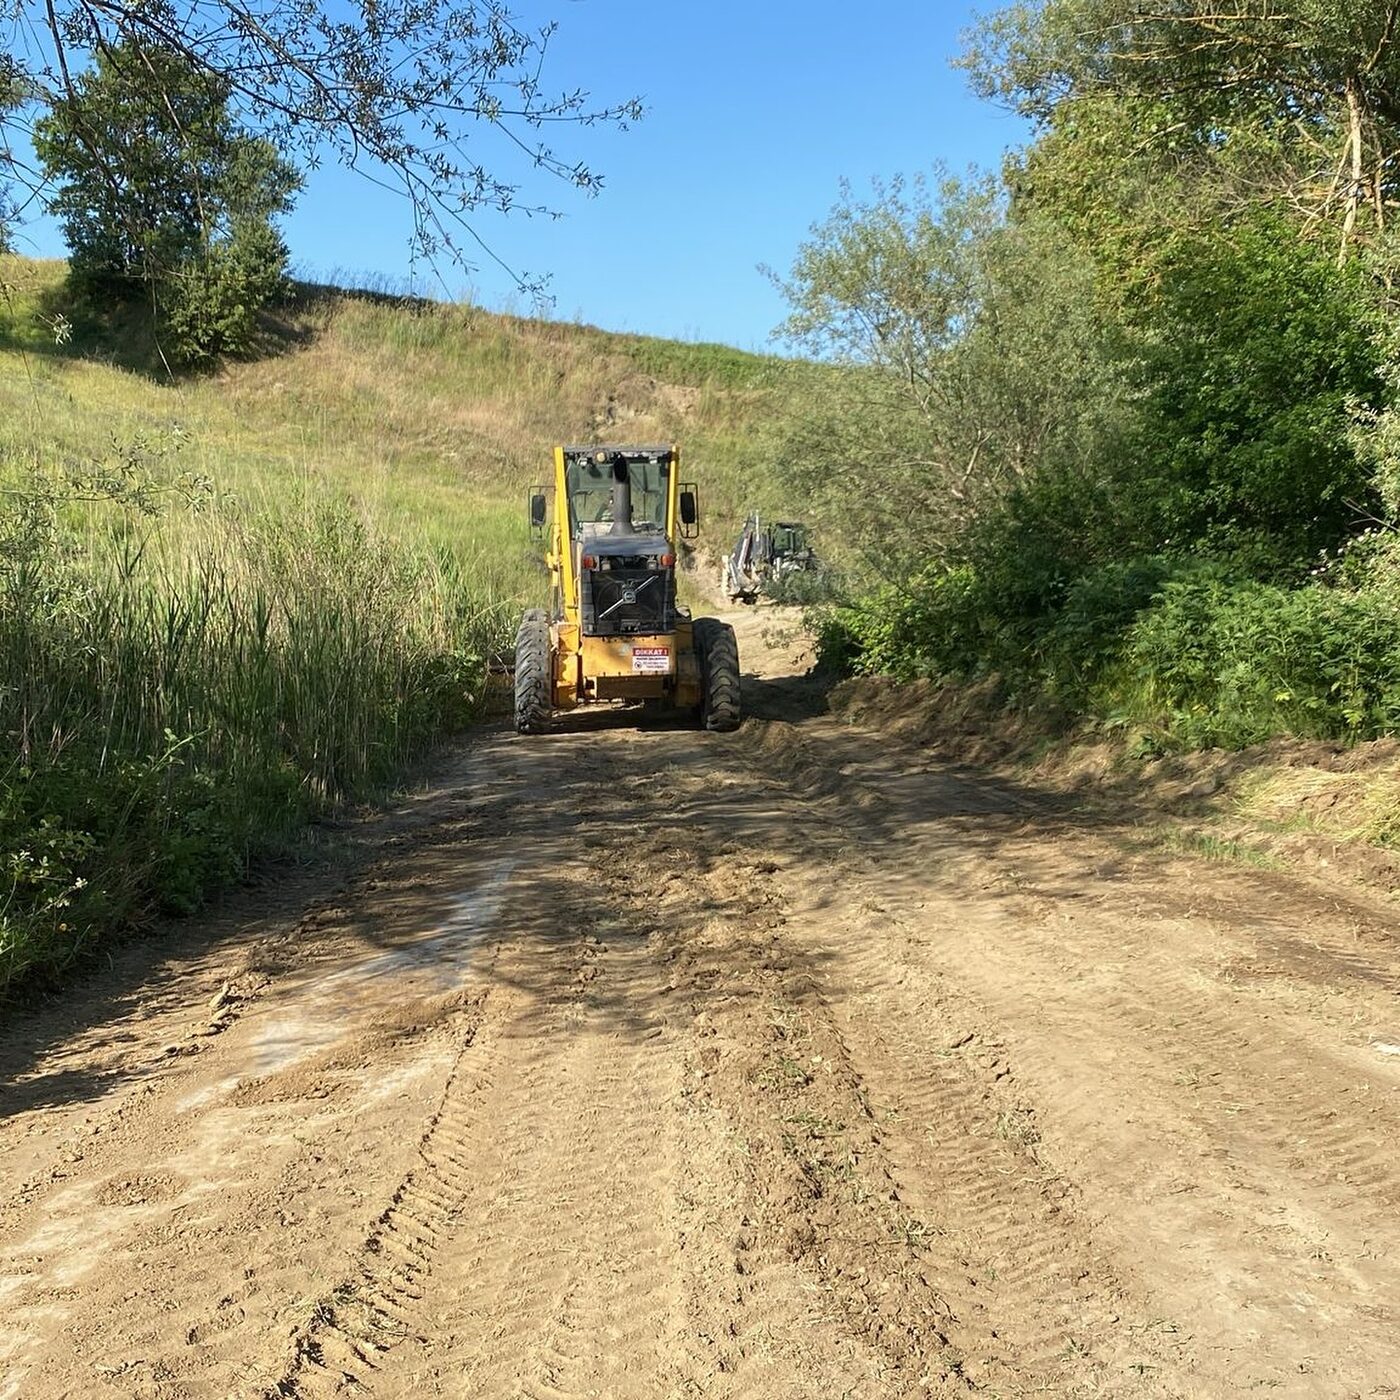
x: 570, y: 1234
x: 582, y: 1250
x: 351, y: 1330
x: 180, y: 1242
x: 1265, y: 1189
x: 363, y: 1334
x: 659, y: 1063
x: 609, y: 1256
x: 380, y: 1326
x: 962, y: 1143
x: 1149, y: 993
x: 950, y: 1250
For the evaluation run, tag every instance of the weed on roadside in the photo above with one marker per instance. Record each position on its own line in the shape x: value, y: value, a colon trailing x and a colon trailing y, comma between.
x: 1208, y: 846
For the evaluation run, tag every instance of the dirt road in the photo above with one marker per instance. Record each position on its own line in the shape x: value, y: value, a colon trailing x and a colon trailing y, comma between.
x: 649, y: 1063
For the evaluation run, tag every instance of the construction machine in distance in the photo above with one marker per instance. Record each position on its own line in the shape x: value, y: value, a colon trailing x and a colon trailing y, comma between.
x: 614, y: 629
x: 764, y: 555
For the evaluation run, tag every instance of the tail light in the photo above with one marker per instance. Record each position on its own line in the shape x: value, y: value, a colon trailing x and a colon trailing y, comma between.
x: 667, y: 561
x: 589, y: 561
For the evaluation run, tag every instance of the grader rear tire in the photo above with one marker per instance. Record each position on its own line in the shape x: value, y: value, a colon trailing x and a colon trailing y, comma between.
x: 532, y: 678
x: 718, y: 651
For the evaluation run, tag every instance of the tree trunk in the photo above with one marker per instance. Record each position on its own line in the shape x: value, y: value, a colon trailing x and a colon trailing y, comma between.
x: 1356, y: 116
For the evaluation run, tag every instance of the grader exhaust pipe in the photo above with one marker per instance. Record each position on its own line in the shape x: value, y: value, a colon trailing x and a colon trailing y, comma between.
x: 621, y: 498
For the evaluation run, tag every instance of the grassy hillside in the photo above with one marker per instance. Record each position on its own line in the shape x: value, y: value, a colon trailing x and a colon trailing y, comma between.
x: 230, y: 603
x: 432, y: 418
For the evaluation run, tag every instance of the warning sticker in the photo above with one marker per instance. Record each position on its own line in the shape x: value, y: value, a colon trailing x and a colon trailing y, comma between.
x: 651, y: 661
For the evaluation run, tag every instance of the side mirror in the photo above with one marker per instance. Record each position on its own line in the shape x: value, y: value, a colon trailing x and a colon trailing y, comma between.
x: 690, y: 512
x: 537, y: 512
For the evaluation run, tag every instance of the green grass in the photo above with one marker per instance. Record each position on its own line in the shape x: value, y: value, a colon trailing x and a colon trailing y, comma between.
x: 1206, y: 845
x: 172, y: 718
x: 235, y: 602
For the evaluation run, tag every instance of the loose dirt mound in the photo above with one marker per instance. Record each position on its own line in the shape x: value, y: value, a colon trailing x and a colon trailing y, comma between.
x: 1323, y: 807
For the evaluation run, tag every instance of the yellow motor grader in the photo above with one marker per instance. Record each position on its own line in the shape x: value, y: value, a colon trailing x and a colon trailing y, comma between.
x: 614, y: 630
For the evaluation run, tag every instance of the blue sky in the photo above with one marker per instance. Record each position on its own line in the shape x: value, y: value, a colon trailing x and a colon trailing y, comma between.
x: 756, y: 111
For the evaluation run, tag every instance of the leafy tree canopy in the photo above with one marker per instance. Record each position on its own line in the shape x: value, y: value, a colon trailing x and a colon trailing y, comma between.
x: 1254, y: 363
x: 409, y: 92
x: 973, y: 353
x: 150, y: 170
x: 1290, y: 102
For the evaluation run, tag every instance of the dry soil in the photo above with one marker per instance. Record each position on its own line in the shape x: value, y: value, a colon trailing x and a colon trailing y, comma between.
x: 641, y: 1062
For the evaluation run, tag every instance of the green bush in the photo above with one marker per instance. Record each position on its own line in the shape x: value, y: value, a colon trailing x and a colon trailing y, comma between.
x: 211, y: 304
x: 1190, y: 649
x: 1229, y: 664
x: 1079, y: 648
x: 805, y: 588
x: 934, y: 625
x: 959, y: 624
x: 165, y: 199
x: 1253, y: 354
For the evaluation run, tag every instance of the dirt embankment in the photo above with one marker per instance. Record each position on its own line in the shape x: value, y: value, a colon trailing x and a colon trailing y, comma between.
x: 1323, y: 807
x: 643, y: 1062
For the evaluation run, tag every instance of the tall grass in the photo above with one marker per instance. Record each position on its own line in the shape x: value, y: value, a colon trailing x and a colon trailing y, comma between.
x: 178, y: 693
x: 175, y: 709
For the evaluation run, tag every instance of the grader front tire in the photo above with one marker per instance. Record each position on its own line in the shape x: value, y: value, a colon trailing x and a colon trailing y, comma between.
x: 720, y: 706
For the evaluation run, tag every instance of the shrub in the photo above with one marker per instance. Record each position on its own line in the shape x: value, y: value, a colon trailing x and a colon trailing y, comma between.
x: 1229, y: 664
x: 212, y: 303
x: 1080, y: 647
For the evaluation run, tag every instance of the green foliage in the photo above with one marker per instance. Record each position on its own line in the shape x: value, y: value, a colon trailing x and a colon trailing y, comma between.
x: 1254, y: 356
x: 1166, y: 360
x: 968, y: 353
x: 170, y: 719
x: 1187, y: 652
x: 1078, y: 652
x: 888, y: 281
x: 805, y: 588
x: 1374, y: 437
x: 212, y: 304
x: 1243, y: 383
x: 1229, y: 664
x: 1219, y: 110
x: 955, y: 624
x: 931, y: 626
x: 163, y: 197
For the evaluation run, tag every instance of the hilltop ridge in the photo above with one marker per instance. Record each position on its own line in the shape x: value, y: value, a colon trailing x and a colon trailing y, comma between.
x: 431, y: 416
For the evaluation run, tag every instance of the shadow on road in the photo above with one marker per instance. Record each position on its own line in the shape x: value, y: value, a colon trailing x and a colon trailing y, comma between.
x: 576, y: 835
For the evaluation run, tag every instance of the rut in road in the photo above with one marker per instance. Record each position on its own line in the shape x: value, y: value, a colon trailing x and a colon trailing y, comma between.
x: 1196, y: 1049
x: 644, y: 1062
x: 875, y: 1157
x: 572, y: 1227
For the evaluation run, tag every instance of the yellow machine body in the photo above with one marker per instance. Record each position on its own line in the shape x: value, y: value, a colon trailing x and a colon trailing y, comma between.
x: 659, y: 666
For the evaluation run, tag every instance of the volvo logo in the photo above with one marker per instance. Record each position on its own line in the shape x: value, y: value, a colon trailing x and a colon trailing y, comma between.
x: 629, y: 595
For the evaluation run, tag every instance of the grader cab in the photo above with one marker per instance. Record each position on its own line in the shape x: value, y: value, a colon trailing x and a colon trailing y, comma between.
x: 614, y: 630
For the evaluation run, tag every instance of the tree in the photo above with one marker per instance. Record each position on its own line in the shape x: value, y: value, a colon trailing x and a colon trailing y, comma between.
x: 1257, y: 355
x: 1290, y: 102
x: 160, y: 191
x: 972, y: 353
x: 405, y: 91
x: 10, y: 101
